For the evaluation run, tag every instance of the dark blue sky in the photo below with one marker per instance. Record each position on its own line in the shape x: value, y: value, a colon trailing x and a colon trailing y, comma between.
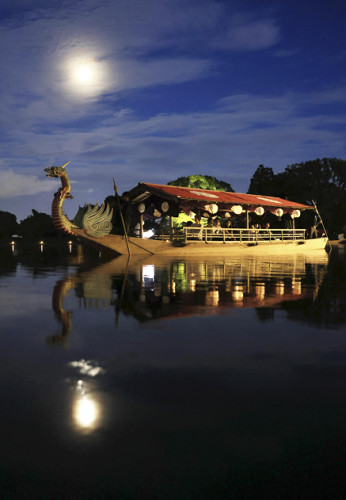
x: 151, y: 90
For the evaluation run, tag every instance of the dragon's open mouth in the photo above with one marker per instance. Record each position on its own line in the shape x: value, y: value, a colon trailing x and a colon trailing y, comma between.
x: 49, y: 173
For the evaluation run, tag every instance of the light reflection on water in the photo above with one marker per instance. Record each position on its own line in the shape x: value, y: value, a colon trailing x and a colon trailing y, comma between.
x: 87, y: 407
x: 172, y: 379
x: 86, y: 410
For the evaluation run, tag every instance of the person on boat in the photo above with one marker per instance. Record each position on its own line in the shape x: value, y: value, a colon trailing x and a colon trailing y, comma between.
x: 217, y: 229
x: 266, y: 232
x: 210, y: 223
x: 197, y: 222
x: 252, y: 235
x: 196, y: 229
x: 217, y: 225
x: 228, y: 230
x: 210, y: 227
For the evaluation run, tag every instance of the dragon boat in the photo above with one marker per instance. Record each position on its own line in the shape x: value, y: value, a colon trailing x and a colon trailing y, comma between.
x: 153, y: 201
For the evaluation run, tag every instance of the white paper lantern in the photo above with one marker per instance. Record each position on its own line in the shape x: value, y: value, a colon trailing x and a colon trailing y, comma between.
x: 212, y: 208
x: 295, y: 213
x: 278, y: 212
x: 237, y: 209
x: 259, y: 211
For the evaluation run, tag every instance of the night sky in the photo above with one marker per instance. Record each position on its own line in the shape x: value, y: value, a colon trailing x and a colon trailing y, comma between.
x: 151, y: 90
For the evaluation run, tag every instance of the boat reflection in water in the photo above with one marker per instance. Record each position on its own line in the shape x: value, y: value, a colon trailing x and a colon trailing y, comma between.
x: 209, y: 379
x: 156, y: 289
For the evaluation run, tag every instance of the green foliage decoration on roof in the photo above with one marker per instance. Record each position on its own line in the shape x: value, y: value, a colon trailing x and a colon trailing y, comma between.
x: 202, y: 182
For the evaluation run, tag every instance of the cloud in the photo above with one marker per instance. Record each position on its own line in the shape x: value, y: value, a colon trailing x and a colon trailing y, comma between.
x: 242, y: 33
x: 13, y: 184
x: 162, y: 71
x: 241, y: 125
x: 332, y: 95
x: 227, y: 141
x: 282, y: 53
x: 126, y: 37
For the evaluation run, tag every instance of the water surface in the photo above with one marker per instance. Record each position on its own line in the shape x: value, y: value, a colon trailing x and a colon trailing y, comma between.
x: 179, y: 379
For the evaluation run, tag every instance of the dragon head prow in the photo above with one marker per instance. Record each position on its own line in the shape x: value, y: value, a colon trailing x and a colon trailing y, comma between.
x: 54, y: 171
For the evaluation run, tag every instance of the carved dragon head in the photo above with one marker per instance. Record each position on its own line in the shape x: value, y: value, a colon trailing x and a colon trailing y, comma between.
x: 56, y: 171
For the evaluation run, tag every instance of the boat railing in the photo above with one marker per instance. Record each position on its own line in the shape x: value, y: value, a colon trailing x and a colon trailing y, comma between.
x: 229, y: 235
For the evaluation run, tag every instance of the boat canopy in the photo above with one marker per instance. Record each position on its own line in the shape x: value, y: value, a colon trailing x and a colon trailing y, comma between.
x: 161, y: 200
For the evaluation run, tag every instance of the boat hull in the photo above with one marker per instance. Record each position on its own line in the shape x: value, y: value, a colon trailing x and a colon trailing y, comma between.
x: 119, y: 245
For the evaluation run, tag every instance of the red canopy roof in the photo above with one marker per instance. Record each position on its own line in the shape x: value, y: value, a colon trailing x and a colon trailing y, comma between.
x: 209, y: 196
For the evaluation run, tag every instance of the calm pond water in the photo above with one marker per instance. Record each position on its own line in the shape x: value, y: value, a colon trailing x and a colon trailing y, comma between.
x: 183, y: 379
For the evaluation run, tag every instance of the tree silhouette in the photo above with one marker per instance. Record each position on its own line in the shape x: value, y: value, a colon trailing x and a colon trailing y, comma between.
x: 37, y: 225
x: 8, y: 224
x: 262, y: 181
x: 321, y: 180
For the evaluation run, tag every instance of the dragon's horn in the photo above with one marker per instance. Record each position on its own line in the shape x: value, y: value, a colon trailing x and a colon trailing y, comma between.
x: 63, y: 166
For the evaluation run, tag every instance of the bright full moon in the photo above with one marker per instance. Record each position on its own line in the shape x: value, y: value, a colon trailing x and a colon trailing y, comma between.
x: 85, y: 77
x: 85, y: 73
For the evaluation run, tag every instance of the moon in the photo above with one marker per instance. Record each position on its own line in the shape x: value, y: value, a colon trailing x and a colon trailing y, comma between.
x: 85, y: 73
x: 85, y: 77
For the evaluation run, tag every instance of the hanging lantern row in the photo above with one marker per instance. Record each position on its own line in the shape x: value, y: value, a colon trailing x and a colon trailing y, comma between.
x: 164, y: 208
x: 212, y: 208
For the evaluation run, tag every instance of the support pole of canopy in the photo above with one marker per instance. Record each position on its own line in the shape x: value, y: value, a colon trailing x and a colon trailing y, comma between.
x: 141, y: 225
x: 247, y: 219
x: 121, y: 216
x: 170, y: 228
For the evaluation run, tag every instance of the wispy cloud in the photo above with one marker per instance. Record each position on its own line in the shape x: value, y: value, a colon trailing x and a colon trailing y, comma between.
x: 128, y: 38
x: 248, y: 34
x: 228, y: 142
x: 13, y: 184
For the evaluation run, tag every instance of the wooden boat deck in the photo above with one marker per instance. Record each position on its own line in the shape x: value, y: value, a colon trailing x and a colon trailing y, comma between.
x: 220, y: 245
